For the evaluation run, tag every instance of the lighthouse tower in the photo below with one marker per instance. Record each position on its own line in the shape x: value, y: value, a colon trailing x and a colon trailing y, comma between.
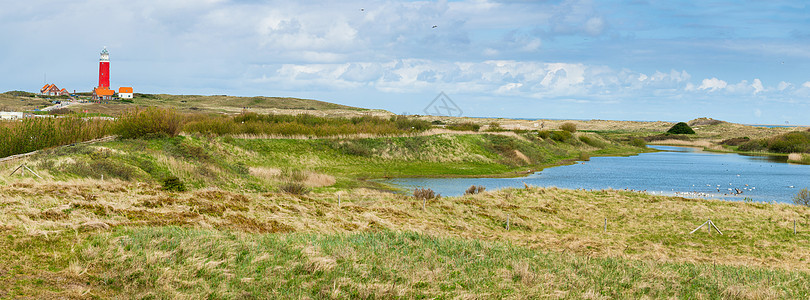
x: 104, y: 69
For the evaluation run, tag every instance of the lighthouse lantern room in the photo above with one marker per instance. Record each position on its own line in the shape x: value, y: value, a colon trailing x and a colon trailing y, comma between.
x: 104, y: 69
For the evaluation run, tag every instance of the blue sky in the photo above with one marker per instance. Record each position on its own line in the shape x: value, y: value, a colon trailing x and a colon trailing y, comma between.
x: 741, y: 61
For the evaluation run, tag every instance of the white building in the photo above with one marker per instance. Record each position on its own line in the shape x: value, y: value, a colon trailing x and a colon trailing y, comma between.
x: 11, y: 115
x: 125, y: 93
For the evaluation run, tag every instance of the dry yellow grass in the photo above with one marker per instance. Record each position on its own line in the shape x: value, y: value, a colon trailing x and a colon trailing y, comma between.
x: 799, y: 158
x: 640, y: 226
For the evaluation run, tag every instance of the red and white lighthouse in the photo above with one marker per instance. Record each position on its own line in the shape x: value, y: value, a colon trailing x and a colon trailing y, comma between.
x: 104, y: 69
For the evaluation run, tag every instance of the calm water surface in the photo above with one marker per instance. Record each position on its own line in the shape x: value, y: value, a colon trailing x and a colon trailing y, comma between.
x: 681, y: 171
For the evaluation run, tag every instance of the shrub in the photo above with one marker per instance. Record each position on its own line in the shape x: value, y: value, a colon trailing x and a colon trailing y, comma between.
x: 495, y: 127
x: 474, y: 189
x: 544, y: 134
x: 753, y: 146
x: 791, y: 142
x: 735, y: 141
x: 593, y: 142
x: 681, y: 128
x: 568, y: 126
x: 466, y: 126
x: 295, y: 188
x: 637, y: 142
x: 173, y: 184
x: 584, y: 156
x: 424, y: 193
x: 294, y: 175
x: 149, y: 122
x: 802, y: 198
x: 352, y: 148
x: 408, y: 124
x: 561, y: 135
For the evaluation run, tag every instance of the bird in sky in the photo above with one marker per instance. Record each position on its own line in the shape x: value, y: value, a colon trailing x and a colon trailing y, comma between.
x: 434, y: 26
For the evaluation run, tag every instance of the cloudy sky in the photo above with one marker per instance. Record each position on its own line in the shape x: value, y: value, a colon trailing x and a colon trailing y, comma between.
x: 742, y: 61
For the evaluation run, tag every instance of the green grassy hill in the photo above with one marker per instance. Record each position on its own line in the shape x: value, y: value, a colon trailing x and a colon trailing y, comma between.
x: 20, y: 101
x: 252, y: 206
x: 223, y: 101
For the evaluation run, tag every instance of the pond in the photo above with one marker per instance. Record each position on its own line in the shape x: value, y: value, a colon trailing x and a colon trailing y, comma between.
x: 680, y: 171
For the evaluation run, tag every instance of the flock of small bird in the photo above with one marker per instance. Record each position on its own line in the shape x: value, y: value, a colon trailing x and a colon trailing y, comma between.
x: 726, y: 191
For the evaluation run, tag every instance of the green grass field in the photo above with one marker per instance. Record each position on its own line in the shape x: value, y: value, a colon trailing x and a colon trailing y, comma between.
x: 172, y: 262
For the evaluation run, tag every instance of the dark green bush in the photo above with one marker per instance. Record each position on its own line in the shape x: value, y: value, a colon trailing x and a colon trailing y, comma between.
x: 568, y: 126
x: 681, y: 128
x: 637, y: 142
x: 173, y: 184
x: 735, y: 141
x: 561, y: 135
x: 295, y: 188
x: 593, y: 142
x: 466, y: 126
x: 791, y: 142
x: 544, y: 134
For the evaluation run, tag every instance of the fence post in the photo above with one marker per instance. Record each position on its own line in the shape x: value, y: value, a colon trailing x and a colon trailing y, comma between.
x: 507, y: 222
x: 605, y: 225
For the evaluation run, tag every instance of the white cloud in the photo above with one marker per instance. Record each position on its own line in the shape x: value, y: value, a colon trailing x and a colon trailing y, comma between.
x: 757, y: 85
x: 783, y: 86
x: 712, y: 84
x: 806, y: 84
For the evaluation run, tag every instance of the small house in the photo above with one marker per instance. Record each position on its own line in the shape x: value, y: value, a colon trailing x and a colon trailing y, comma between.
x: 102, y: 93
x: 52, y: 90
x: 125, y: 93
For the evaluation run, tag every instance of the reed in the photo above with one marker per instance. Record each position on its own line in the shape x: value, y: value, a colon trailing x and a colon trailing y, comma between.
x: 32, y: 134
x: 152, y: 121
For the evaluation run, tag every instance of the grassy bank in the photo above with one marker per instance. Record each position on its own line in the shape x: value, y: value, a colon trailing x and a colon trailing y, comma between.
x: 171, y: 262
x: 258, y: 164
x: 81, y: 240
